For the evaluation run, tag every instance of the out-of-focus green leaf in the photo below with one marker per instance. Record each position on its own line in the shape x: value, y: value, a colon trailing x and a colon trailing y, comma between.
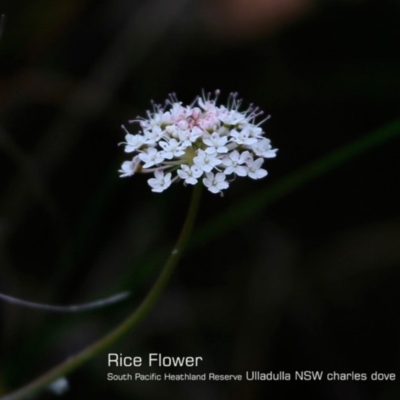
x: 238, y: 213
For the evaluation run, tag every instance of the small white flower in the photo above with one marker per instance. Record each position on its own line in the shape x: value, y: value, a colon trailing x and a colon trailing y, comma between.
x: 243, y: 137
x: 264, y: 149
x: 255, y: 131
x: 151, y: 157
x: 206, y: 104
x: 231, y: 117
x: 216, y: 144
x: 177, y: 111
x: 206, y: 162
x: 172, y: 131
x: 160, y: 182
x: 172, y: 149
x: 254, y: 170
x: 153, y: 135
x: 133, y: 142
x: 190, y: 135
x: 233, y: 163
x: 128, y: 168
x: 189, y: 174
x: 215, y: 183
x: 155, y: 120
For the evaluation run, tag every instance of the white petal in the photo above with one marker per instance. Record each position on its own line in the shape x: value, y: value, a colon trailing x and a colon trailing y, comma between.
x: 240, y: 170
x: 191, y: 181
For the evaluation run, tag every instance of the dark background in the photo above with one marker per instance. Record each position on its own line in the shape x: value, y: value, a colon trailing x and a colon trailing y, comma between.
x: 309, y: 283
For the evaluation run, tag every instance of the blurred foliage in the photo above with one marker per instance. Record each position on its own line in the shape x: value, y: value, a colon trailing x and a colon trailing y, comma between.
x: 309, y: 282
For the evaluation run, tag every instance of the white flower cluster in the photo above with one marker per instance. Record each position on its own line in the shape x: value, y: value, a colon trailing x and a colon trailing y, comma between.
x: 202, y: 141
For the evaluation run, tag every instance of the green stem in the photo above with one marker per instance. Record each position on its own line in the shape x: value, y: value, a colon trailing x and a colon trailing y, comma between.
x: 146, y: 305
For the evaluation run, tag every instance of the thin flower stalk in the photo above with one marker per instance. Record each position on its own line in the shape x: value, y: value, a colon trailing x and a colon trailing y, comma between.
x: 146, y: 305
x: 66, y: 309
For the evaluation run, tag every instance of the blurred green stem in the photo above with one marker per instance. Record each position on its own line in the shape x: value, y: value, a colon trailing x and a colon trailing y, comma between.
x: 146, y: 305
x: 241, y: 211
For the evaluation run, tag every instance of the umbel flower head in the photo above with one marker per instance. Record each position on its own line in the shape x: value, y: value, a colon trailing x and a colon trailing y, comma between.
x: 202, y: 142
